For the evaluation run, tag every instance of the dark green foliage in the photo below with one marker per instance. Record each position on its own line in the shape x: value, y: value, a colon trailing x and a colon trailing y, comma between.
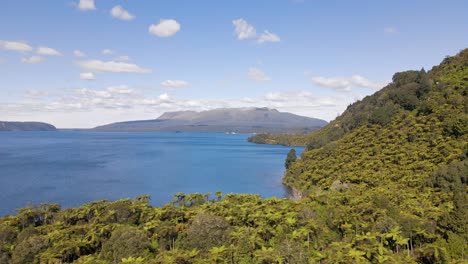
x: 126, y: 241
x: 456, y: 127
x: 290, y: 158
x: 383, y: 115
x: 207, y: 231
x: 27, y: 250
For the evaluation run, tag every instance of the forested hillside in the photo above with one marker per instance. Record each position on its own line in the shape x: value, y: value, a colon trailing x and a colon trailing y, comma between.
x: 386, y: 182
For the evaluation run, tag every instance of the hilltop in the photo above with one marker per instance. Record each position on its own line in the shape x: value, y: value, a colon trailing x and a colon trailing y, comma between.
x: 26, y: 126
x: 238, y: 120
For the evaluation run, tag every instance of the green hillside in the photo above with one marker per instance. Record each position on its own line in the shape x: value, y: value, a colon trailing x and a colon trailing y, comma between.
x: 386, y: 182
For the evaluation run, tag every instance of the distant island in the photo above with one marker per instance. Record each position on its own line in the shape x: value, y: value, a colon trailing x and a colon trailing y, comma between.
x: 26, y: 126
x: 223, y: 120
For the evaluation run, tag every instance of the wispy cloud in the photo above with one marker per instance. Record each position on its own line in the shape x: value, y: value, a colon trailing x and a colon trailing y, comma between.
x: 345, y: 83
x: 111, y: 66
x: 391, y: 30
x: 32, y: 59
x: 79, y: 53
x: 123, y: 58
x: 258, y: 75
x: 120, y: 13
x: 107, y: 52
x: 243, y: 29
x: 15, y: 46
x: 174, y: 83
x: 89, y: 76
x: 48, y: 51
x: 268, y: 37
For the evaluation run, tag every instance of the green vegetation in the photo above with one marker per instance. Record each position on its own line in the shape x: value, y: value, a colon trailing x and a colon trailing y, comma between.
x: 290, y: 158
x: 386, y: 182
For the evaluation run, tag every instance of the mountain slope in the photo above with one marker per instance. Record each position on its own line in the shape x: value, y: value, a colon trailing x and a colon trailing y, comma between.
x: 398, y: 159
x: 240, y: 120
x: 26, y: 126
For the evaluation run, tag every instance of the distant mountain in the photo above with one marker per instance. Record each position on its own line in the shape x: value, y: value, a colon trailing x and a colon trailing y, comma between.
x: 238, y: 120
x: 26, y: 126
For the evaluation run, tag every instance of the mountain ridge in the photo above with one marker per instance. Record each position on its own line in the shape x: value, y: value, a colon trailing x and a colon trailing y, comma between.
x: 239, y: 120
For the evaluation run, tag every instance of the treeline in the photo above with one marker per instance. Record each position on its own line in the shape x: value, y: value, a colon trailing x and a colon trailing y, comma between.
x: 343, y: 225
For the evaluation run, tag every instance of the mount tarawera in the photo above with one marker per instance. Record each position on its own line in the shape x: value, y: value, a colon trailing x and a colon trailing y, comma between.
x: 238, y: 120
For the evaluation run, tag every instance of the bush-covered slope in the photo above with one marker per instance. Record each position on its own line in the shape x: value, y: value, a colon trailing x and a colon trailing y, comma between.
x: 411, y: 91
x: 401, y: 133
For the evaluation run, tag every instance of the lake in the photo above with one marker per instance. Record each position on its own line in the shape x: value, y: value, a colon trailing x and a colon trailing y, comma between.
x: 73, y: 168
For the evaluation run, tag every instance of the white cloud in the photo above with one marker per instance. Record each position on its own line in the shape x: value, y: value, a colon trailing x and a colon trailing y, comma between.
x: 345, y: 83
x: 243, y: 29
x: 48, y: 51
x: 164, y: 97
x: 391, y: 30
x: 79, y: 54
x: 107, y: 52
x: 86, y: 5
x: 36, y: 93
x: 81, y: 107
x: 258, y: 75
x: 15, y: 45
x: 32, y: 60
x: 111, y: 66
x: 87, y: 76
x: 275, y: 97
x: 120, y: 13
x: 165, y: 28
x: 268, y: 37
x: 174, y: 83
x: 123, y: 58
x: 120, y: 89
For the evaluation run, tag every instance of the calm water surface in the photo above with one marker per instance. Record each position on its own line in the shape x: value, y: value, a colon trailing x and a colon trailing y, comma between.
x: 72, y: 168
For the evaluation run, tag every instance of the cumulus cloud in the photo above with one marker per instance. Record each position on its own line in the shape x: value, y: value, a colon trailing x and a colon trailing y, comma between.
x: 243, y: 29
x: 164, y: 97
x: 165, y: 28
x: 174, y: 83
x: 268, y: 37
x: 111, y: 66
x: 87, y: 76
x: 258, y: 75
x: 15, y: 46
x: 120, y: 13
x: 82, y: 105
x: 48, y: 51
x: 107, y: 52
x: 345, y: 83
x: 79, y: 53
x: 32, y: 59
x: 391, y: 30
x: 86, y: 5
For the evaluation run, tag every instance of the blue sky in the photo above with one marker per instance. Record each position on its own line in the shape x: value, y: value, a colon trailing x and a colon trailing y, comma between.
x: 138, y: 59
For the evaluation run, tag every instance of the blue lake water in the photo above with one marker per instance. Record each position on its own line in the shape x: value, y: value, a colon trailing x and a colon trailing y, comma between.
x: 72, y: 168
